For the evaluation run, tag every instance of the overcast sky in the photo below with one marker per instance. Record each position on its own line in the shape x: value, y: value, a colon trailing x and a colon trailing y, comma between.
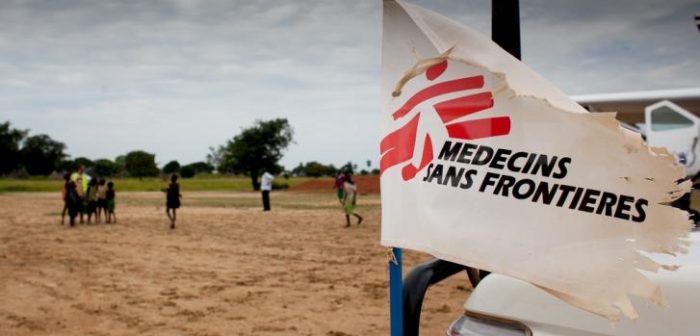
x: 176, y: 77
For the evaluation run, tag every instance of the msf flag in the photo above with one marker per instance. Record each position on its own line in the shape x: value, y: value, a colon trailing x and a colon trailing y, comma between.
x: 486, y: 164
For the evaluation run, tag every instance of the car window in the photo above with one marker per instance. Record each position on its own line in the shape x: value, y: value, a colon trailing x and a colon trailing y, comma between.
x: 665, y: 118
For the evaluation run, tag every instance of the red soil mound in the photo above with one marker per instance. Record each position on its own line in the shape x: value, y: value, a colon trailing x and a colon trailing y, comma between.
x: 365, y: 184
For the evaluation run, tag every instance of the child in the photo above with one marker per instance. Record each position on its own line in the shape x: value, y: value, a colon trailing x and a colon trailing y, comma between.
x: 64, y: 194
x: 349, y: 200
x: 81, y: 181
x: 101, y: 198
x: 340, y: 186
x: 110, y: 196
x: 91, y: 197
x: 172, y: 199
x: 72, y: 201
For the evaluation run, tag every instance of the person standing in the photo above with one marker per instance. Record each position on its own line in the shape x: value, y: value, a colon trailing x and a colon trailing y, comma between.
x: 91, y: 197
x: 110, y: 199
x: 101, y: 198
x: 350, y: 200
x: 81, y: 179
x: 73, y: 201
x: 172, y: 200
x: 81, y: 183
x: 64, y: 195
x: 266, y: 187
x: 340, y: 186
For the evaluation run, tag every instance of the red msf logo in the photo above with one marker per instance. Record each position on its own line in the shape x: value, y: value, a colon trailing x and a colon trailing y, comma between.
x: 399, y: 146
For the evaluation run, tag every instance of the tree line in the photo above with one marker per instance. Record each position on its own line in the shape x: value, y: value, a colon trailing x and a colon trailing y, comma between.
x: 254, y: 150
x: 25, y: 155
x: 317, y: 169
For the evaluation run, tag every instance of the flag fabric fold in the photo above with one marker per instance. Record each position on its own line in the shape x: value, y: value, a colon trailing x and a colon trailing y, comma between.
x: 485, y: 163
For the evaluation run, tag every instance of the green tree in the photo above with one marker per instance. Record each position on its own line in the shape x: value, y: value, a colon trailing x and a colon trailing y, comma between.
x: 41, y: 155
x: 187, y: 172
x: 201, y: 167
x: 66, y: 165
x: 141, y: 164
x: 316, y: 169
x: 120, y: 161
x: 254, y: 150
x: 83, y: 161
x: 10, y: 140
x: 171, y: 167
x: 71, y: 165
x: 105, y: 168
x: 196, y: 168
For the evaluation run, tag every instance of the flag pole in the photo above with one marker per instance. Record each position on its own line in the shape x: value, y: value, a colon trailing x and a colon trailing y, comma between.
x: 505, y: 25
x: 395, y: 291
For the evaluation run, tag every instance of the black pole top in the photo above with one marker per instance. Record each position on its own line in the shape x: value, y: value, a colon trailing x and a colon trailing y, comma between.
x: 505, y: 25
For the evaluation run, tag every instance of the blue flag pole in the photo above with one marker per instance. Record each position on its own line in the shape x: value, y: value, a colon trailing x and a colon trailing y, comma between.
x: 396, y: 292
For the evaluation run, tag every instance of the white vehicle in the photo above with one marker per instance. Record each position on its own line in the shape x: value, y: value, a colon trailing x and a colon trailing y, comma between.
x: 501, y: 305
x: 669, y: 119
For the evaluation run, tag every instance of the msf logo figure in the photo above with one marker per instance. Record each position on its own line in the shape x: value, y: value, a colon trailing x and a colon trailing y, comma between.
x: 399, y: 146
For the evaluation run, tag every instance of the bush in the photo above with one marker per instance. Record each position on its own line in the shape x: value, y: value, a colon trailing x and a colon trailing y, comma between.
x: 171, y: 167
x: 187, y: 171
x: 279, y: 186
x: 105, y: 168
x: 141, y: 164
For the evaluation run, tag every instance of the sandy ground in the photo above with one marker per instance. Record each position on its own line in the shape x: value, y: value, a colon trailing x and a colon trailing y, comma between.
x: 228, y: 269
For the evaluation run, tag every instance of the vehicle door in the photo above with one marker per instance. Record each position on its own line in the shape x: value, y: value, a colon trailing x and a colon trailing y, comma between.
x: 669, y: 125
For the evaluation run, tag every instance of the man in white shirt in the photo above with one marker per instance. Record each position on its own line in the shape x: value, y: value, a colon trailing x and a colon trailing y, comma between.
x: 266, y: 186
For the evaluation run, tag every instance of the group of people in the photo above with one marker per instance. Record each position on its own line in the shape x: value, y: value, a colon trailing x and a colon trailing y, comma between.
x: 83, y: 195
x: 347, y: 195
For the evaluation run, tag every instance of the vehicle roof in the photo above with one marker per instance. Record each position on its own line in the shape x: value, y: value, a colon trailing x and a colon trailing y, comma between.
x: 514, y: 299
x: 690, y: 94
x: 630, y: 105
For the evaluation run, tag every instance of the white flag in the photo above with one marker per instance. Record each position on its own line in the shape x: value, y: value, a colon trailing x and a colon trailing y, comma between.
x: 485, y: 163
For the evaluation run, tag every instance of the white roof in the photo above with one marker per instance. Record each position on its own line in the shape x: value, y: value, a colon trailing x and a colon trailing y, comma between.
x: 655, y: 95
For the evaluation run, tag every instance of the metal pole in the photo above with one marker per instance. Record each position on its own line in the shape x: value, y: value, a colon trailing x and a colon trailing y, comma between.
x: 396, y: 292
x: 505, y: 25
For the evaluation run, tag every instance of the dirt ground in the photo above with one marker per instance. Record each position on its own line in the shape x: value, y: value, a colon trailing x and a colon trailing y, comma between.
x: 228, y: 269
